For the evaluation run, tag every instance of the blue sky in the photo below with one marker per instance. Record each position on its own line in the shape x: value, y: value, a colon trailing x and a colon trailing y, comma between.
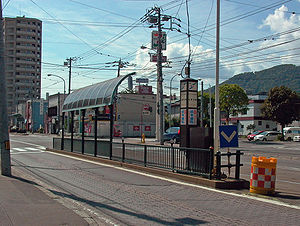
x: 99, y: 32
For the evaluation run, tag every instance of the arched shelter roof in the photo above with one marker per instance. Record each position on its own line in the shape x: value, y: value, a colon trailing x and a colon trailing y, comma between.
x: 93, y: 96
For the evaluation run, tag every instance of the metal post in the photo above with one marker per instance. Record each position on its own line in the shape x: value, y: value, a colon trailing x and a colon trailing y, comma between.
x: 63, y: 131
x: 218, y: 165
x: 145, y: 155
x: 123, y: 150
x: 111, y: 108
x: 72, y: 125
x: 58, y: 110
x: 217, y: 108
x: 70, y: 73
x: 95, y: 132
x: 173, y: 156
x: 4, y: 136
x: 201, y: 125
x: 237, y: 164
x: 210, y: 112
x: 170, y: 115
x: 82, y: 131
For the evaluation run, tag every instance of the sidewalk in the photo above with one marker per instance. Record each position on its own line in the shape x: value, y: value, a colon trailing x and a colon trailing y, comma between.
x: 23, y: 203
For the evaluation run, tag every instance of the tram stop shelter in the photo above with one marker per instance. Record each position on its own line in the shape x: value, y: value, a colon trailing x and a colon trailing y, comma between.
x: 92, y: 97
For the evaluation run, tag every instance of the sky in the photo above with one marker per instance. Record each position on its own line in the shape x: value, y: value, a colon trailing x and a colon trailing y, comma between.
x: 254, y: 35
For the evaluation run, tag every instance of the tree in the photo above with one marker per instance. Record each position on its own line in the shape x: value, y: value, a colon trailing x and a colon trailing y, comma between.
x: 282, y: 106
x: 233, y: 100
x: 251, y: 127
x: 206, y: 107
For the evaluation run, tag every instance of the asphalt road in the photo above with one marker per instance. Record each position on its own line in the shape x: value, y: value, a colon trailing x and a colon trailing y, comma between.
x: 114, y: 196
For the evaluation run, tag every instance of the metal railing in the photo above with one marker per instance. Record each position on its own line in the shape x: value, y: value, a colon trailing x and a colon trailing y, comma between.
x: 237, y: 164
x: 184, y: 160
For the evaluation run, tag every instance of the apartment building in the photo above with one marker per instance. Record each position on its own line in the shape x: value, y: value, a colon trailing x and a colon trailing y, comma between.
x: 23, y: 44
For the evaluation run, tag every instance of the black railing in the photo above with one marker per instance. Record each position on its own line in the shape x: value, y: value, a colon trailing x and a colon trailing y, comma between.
x: 177, y: 159
x: 237, y: 164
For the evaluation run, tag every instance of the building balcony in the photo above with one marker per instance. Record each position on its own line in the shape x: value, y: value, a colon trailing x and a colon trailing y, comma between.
x: 25, y: 40
x: 26, y: 55
x: 27, y: 62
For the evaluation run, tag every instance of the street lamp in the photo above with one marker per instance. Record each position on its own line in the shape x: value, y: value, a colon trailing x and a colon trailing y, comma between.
x: 63, y: 96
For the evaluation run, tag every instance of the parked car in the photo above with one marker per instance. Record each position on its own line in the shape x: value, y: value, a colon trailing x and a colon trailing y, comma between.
x: 267, y: 135
x: 252, y: 135
x: 172, y: 134
x: 296, y: 138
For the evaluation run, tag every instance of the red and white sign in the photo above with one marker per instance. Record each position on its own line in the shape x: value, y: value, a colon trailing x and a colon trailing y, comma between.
x: 154, y: 57
x: 147, y: 128
x: 144, y: 89
x: 136, y: 128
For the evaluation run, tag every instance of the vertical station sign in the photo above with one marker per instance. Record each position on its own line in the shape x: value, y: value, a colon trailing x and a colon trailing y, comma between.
x: 188, y: 108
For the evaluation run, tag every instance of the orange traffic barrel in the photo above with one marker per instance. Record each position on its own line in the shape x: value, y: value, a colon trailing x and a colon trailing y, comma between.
x: 263, y: 175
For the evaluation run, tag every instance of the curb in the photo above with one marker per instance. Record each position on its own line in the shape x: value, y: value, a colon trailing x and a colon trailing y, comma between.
x: 219, y: 184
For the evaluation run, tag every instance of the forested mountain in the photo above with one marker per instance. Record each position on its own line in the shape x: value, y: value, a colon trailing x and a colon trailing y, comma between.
x: 262, y: 81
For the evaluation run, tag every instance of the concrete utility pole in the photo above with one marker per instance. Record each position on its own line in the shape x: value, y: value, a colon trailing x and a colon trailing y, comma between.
x: 201, y: 125
x: 217, y: 104
x: 159, y: 82
x: 68, y: 63
x: 4, y: 136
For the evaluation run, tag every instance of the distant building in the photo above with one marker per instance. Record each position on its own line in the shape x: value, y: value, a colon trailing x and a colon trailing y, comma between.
x: 23, y: 43
x: 36, y: 115
x: 253, y: 116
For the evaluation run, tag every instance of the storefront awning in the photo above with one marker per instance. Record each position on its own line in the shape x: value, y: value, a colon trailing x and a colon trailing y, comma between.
x: 93, y: 96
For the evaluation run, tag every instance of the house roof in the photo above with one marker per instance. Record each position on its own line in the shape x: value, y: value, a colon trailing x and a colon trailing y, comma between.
x: 93, y: 96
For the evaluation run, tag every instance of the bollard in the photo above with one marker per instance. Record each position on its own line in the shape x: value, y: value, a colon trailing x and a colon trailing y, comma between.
x: 263, y: 175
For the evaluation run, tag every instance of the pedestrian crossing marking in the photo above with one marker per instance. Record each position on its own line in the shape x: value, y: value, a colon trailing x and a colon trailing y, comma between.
x: 32, y: 149
x: 19, y: 149
x: 27, y: 150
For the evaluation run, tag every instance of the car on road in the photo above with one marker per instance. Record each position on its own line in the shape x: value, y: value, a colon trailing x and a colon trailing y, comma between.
x: 172, y: 134
x: 296, y: 138
x: 267, y: 136
x: 252, y: 135
x: 290, y: 132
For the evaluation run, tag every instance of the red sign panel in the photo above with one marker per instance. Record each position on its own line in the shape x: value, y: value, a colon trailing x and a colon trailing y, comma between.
x: 147, y: 128
x: 136, y: 128
x: 144, y: 89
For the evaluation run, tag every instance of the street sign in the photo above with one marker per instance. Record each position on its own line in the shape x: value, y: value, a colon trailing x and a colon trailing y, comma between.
x: 142, y: 80
x: 183, y: 117
x: 228, y: 136
x: 192, y: 117
x: 154, y: 57
x: 154, y: 40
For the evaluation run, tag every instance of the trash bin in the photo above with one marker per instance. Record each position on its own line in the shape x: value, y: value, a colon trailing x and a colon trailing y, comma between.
x: 263, y: 175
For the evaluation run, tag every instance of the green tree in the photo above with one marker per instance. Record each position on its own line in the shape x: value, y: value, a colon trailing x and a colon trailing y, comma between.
x: 233, y: 100
x: 206, y: 107
x: 282, y: 106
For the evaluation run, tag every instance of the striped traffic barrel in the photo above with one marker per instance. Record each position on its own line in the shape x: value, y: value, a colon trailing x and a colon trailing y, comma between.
x: 263, y: 175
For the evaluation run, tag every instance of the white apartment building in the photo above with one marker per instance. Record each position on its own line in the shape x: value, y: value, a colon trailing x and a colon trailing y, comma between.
x: 23, y: 44
x: 253, y: 116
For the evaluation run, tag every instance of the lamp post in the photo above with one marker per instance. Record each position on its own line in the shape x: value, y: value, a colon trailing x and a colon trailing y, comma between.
x: 63, y: 96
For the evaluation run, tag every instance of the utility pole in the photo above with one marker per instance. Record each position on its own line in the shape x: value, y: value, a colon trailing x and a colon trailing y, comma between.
x: 160, y: 81
x: 4, y: 136
x: 217, y: 104
x: 68, y: 63
x: 157, y: 38
x: 201, y: 125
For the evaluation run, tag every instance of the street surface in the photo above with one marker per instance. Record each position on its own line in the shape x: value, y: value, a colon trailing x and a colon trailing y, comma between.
x: 117, y: 196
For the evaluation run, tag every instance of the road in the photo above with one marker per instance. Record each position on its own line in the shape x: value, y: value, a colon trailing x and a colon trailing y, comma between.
x: 116, y: 196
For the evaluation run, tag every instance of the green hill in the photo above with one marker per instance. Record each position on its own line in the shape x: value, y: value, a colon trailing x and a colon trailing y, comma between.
x: 262, y: 81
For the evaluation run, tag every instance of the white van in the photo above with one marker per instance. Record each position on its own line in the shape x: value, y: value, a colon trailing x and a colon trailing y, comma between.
x: 290, y: 132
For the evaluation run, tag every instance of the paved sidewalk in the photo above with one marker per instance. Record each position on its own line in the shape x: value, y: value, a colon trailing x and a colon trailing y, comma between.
x: 23, y: 203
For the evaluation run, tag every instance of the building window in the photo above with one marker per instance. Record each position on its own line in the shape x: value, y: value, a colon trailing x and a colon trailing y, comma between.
x: 259, y: 123
x: 242, y: 126
x: 267, y: 126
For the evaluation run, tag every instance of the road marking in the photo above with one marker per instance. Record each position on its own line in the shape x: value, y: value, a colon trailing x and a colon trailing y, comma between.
x: 31, y: 149
x: 184, y: 183
x: 36, y: 145
x: 28, y: 152
x: 228, y: 138
x: 19, y: 149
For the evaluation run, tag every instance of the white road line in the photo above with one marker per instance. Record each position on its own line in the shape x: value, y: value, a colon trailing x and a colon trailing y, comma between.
x: 22, y: 142
x: 19, y: 149
x: 184, y: 183
x: 32, y: 149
